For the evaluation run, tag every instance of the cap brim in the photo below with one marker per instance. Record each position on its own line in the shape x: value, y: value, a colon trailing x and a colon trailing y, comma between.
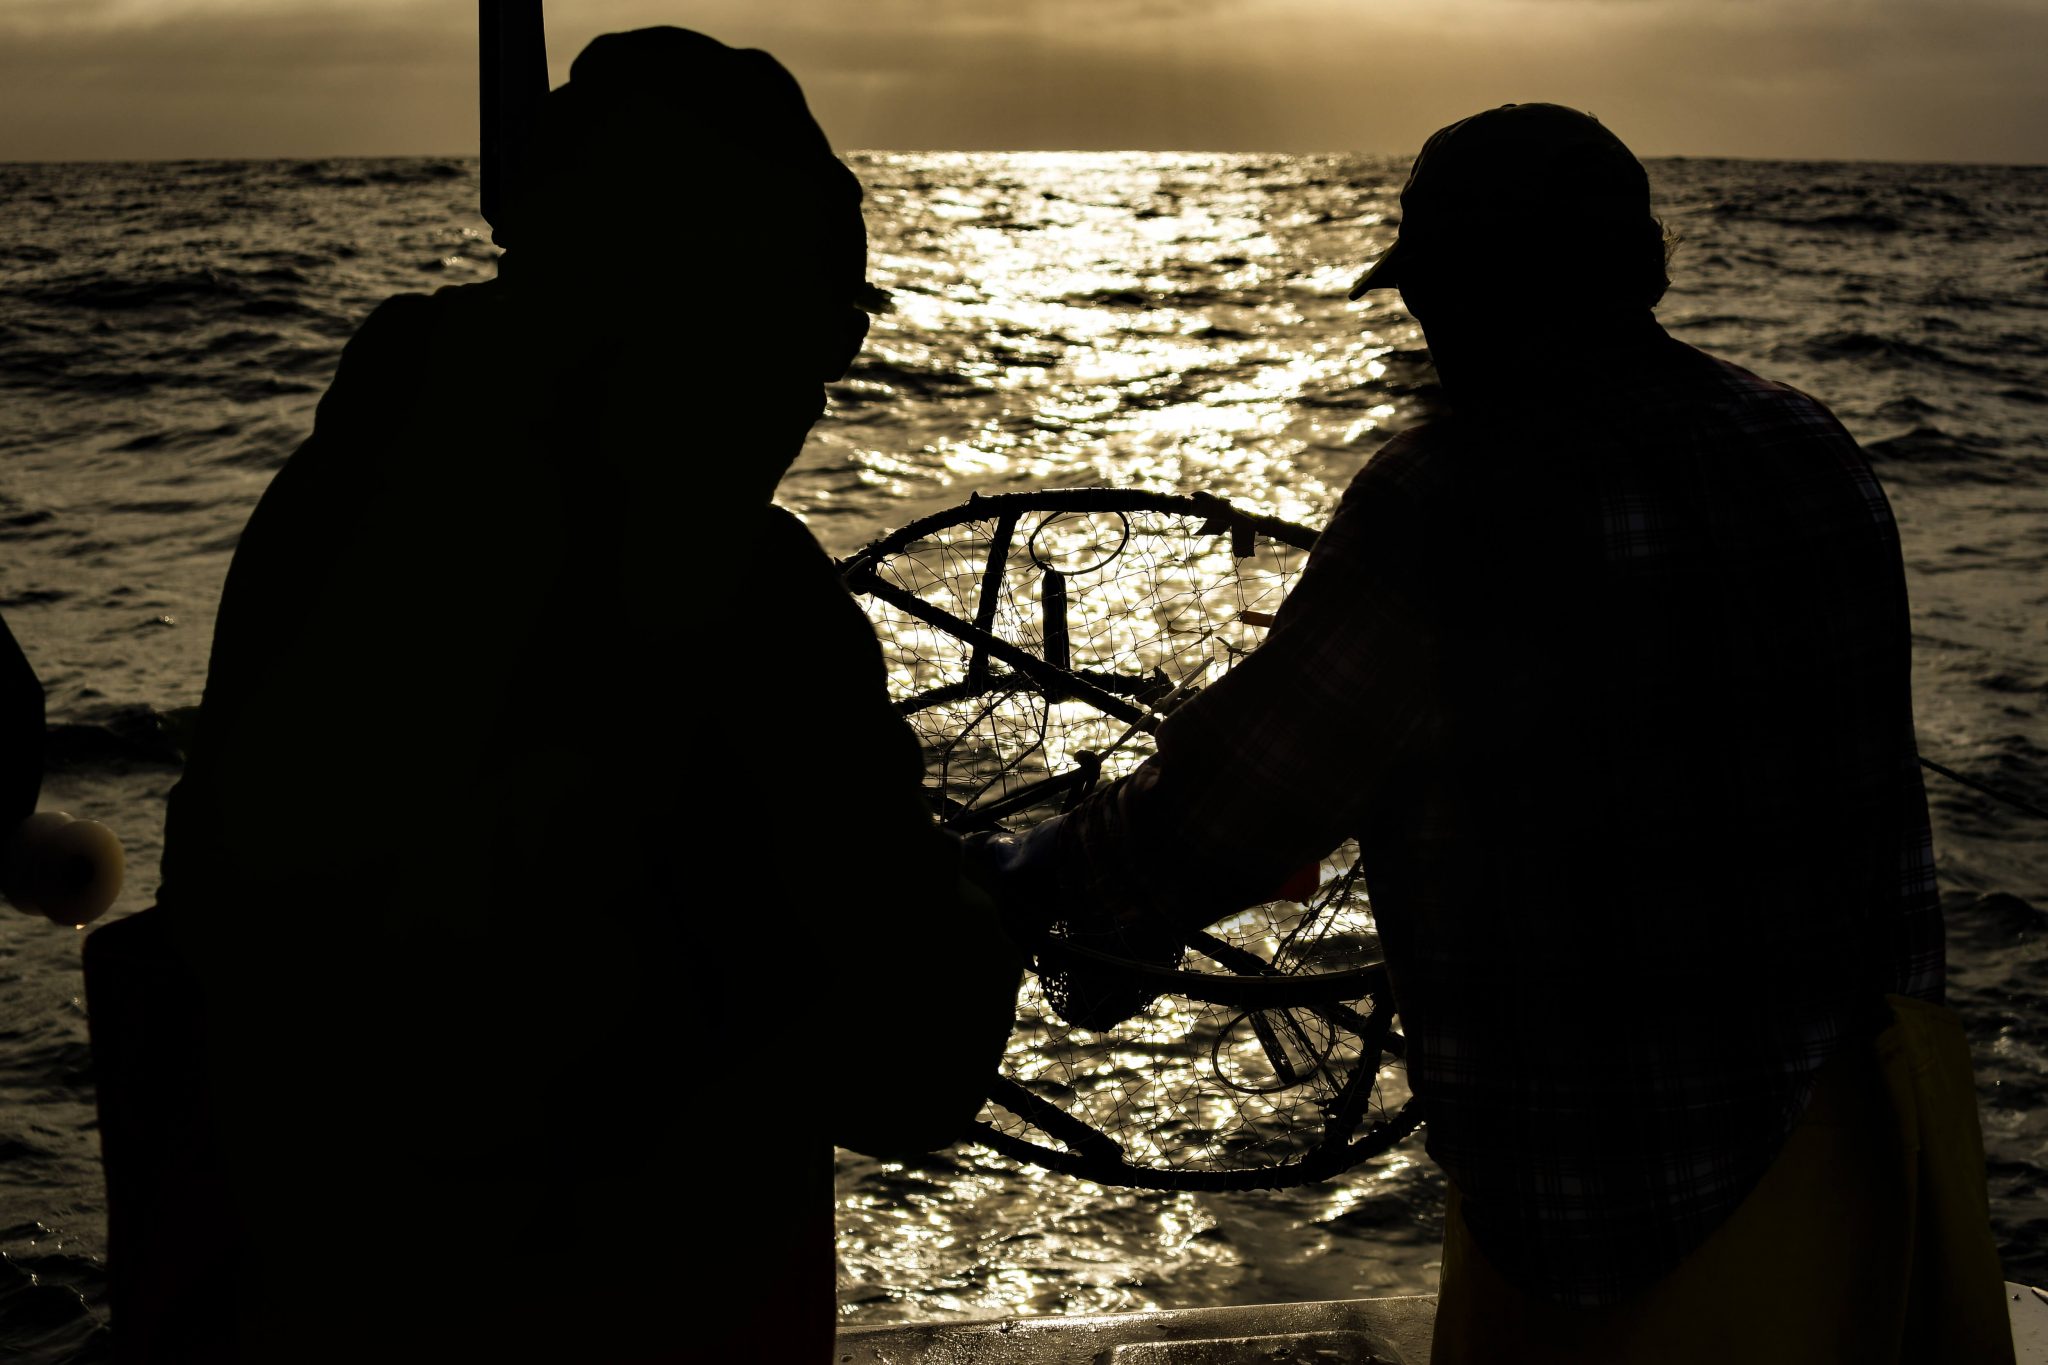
x: 1383, y: 274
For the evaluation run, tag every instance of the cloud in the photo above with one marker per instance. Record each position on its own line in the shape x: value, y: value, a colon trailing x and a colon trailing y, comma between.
x: 1822, y: 78
x: 1826, y: 78
x: 213, y: 81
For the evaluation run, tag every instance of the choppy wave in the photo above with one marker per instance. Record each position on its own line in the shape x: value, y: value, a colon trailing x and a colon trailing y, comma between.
x: 1173, y: 321
x: 118, y: 738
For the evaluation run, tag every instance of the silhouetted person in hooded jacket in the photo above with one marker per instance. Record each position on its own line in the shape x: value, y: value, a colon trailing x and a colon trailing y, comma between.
x: 551, y: 872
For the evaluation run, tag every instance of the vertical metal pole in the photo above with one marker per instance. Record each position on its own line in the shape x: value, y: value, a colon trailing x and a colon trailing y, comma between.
x: 1052, y: 601
x: 991, y: 595
x: 512, y: 77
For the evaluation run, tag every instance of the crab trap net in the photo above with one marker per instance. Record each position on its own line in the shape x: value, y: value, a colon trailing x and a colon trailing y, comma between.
x: 1035, y: 642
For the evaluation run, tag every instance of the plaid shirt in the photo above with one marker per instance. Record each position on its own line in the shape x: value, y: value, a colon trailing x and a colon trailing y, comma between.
x: 1615, y: 698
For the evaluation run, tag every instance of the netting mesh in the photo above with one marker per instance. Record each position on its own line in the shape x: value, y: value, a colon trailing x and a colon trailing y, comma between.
x: 1035, y: 641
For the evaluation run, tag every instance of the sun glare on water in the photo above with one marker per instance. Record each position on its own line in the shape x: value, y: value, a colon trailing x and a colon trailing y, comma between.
x: 1071, y: 319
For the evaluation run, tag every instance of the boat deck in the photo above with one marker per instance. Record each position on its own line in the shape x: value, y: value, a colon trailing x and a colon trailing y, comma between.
x: 1341, y: 1332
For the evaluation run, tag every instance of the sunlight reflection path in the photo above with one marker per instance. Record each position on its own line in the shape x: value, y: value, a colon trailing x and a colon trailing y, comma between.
x: 1069, y: 319
x: 1171, y: 323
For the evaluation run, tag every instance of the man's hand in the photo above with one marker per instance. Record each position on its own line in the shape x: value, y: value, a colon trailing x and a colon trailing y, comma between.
x: 1017, y: 872
x: 1020, y: 871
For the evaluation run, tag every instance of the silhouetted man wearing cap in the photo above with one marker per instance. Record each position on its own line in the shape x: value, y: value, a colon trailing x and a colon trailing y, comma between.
x: 1607, y: 670
x: 547, y: 804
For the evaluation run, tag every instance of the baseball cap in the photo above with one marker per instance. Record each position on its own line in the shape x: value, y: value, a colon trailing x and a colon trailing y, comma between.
x: 1516, y: 163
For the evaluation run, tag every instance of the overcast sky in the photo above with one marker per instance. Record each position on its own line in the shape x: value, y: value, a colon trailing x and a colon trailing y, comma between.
x: 1935, y: 80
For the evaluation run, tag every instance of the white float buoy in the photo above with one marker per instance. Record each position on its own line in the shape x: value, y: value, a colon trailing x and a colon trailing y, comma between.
x: 65, y: 869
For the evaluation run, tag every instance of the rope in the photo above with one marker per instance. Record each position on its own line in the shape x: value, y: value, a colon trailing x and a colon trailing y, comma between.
x: 1994, y: 793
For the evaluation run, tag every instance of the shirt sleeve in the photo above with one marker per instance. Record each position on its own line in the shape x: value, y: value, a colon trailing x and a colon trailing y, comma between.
x: 1278, y: 762
x: 891, y: 923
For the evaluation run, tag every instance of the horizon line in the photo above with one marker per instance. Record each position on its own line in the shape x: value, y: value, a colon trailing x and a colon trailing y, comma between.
x: 472, y: 155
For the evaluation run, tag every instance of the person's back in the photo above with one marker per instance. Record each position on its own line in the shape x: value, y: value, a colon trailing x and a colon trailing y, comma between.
x: 1613, y: 694
x: 427, y: 978
x: 1666, y: 845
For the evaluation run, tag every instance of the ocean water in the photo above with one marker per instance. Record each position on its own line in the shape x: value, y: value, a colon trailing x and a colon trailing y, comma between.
x: 1170, y: 321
